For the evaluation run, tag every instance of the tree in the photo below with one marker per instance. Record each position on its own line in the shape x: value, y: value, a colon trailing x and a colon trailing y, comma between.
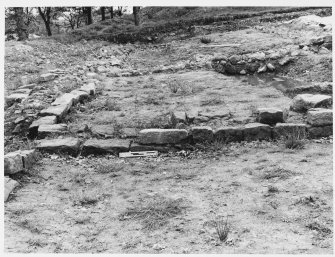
x: 111, y: 12
x: 119, y: 11
x: 46, y: 16
x: 102, y: 9
x: 88, y: 13
x: 21, y: 27
x: 136, y: 12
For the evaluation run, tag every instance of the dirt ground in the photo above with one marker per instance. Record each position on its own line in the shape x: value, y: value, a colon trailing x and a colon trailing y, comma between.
x: 276, y: 200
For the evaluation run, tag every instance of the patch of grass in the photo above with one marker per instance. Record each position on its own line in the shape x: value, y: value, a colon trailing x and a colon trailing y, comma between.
x: 155, y: 212
x: 112, y: 105
x: 205, y: 40
x: 108, y: 167
x: 36, y: 243
x: 319, y: 227
x: 19, y: 144
x: 68, y: 85
x: 276, y: 172
x: 212, y: 100
x: 273, y: 189
x: 31, y: 226
x: 155, y: 99
x: 86, y: 198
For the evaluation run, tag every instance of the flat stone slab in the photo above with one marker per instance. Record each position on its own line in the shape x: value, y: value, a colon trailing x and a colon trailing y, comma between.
x: 47, y: 129
x: 19, y: 160
x: 303, y: 102
x: 10, y: 185
x: 103, y: 130
x: 56, y: 110
x: 229, y: 134
x: 320, y: 117
x: 101, y: 146
x: 129, y: 133
x: 202, y: 133
x: 284, y: 129
x: 65, y: 99
x: 79, y: 96
x: 317, y: 132
x: 88, y: 88
x: 16, y: 97
x: 65, y: 145
x: 270, y: 116
x: 47, y: 120
x: 257, y: 131
x: 162, y: 136
x: 47, y: 77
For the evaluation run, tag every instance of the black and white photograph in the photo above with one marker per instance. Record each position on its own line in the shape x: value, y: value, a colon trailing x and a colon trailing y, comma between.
x: 175, y: 128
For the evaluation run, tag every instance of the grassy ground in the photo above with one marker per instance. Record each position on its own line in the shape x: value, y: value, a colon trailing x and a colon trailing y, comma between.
x: 169, y: 204
x: 276, y: 200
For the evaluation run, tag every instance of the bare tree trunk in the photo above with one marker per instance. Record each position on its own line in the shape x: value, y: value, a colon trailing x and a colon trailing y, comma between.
x: 119, y: 10
x: 89, y: 15
x: 112, y: 12
x: 136, y: 12
x: 45, y: 14
x: 103, y: 17
x: 21, y: 28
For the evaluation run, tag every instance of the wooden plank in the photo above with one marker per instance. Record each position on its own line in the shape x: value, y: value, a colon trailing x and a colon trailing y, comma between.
x: 138, y: 154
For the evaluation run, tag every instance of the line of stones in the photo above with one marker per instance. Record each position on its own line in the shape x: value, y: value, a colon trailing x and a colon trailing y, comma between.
x: 268, y: 61
x: 22, y: 160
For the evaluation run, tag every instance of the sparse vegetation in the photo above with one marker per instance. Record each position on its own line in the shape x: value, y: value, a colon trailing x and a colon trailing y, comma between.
x: 222, y: 227
x: 205, y: 40
x: 108, y: 167
x: 296, y: 139
x: 155, y: 212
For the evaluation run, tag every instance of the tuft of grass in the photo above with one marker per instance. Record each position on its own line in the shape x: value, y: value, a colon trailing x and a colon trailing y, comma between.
x: 296, y: 139
x: 273, y: 189
x: 205, y: 40
x: 155, y: 212
x: 86, y: 198
x: 277, y: 172
x: 222, y: 227
x: 212, y: 100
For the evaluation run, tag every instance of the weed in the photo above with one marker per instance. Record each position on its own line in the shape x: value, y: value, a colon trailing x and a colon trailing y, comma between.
x: 222, y: 227
x: 320, y: 228
x: 273, y: 189
x: 295, y: 139
x: 155, y: 212
x: 205, y: 40
x: 36, y: 243
x: 86, y: 198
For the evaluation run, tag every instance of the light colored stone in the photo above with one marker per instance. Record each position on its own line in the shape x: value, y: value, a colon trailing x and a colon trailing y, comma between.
x: 16, y: 97
x: 102, y: 146
x: 89, y: 88
x: 129, y: 133
x: 47, y: 129
x: 320, y: 117
x: 10, y: 185
x: 214, y: 113
x: 229, y: 134
x: 179, y: 116
x: 67, y: 145
x: 202, y: 133
x: 303, y: 102
x: 162, y: 136
x: 262, y: 69
x: 65, y: 99
x: 256, y: 131
x: 270, y: 66
x: 270, y: 116
x: 47, y: 77
x: 56, y: 110
x: 79, y: 95
x: 47, y: 120
x: 284, y: 129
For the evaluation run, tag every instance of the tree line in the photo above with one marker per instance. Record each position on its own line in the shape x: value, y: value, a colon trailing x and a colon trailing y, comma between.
x: 23, y: 18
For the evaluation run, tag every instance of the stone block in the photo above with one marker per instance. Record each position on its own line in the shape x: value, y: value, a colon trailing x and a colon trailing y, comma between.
x: 303, y: 102
x: 105, y: 146
x: 56, y: 110
x: 284, y: 129
x: 270, y: 116
x: 46, y: 129
x: 229, y: 134
x: 202, y: 133
x: 65, y: 145
x: 257, y: 131
x: 88, y: 88
x: 320, y: 117
x: 162, y: 136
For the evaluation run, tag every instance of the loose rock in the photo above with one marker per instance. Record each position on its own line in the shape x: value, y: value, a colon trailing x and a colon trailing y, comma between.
x: 270, y: 116
x: 10, y: 185
x: 320, y: 117
x: 64, y: 145
x: 256, y: 131
x: 303, y: 102
x: 100, y: 146
x: 162, y: 136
